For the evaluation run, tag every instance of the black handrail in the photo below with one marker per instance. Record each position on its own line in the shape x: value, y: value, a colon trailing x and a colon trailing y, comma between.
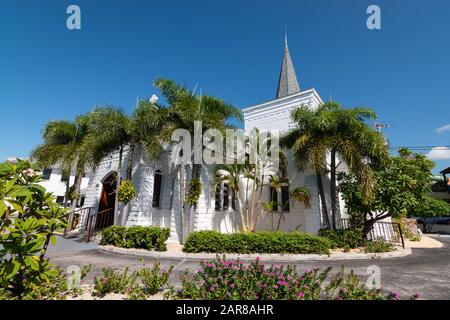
x: 70, y: 216
x: 93, y: 223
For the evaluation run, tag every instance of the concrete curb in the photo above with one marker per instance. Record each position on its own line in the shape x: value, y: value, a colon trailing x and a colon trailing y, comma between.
x: 263, y: 257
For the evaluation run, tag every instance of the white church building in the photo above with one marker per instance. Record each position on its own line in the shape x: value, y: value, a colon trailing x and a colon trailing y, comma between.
x: 158, y: 199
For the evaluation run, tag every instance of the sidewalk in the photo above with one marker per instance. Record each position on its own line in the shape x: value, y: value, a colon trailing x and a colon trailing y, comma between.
x: 425, y: 242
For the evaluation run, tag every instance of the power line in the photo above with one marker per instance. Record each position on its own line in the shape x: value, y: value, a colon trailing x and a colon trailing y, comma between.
x: 421, y: 147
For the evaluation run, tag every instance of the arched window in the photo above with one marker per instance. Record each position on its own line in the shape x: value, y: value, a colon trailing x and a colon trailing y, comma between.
x: 157, y: 184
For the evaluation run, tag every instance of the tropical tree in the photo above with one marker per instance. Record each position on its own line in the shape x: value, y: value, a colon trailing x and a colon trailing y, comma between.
x: 185, y: 109
x: 64, y: 143
x: 147, y: 128
x: 342, y: 135
x: 110, y: 128
x: 232, y: 175
x: 29, y: 218
x: 401, y: 189
x: 265, y: 167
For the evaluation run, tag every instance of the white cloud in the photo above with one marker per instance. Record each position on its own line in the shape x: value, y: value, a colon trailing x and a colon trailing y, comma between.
x: 439, y: 153
x: 443, y: 129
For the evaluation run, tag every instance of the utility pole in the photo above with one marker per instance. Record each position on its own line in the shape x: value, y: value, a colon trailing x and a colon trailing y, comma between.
x: 379, y: 126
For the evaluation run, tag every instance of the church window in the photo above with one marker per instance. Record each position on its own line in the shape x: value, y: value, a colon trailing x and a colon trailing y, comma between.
x: 157, y: 184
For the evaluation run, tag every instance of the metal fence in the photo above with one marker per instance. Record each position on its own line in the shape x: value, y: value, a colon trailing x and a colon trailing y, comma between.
x: 77, y: 219
x: 389, y: 231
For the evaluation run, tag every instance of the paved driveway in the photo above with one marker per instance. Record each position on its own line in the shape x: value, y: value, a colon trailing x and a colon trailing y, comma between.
x: 426, y: 271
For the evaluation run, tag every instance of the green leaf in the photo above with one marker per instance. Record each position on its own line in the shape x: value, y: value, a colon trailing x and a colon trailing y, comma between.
x: 32, y: 262
x: 11, y: 268
x: 16, y: 205
x: 3, y: 208
x: 53, y: 240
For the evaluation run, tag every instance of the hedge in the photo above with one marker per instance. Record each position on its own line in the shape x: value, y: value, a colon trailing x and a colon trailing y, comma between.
x: 257, y: 242
x: 150, y: 238
x: 342, y: 238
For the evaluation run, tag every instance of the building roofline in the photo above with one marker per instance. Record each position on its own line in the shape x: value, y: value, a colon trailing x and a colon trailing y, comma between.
x: 311, y: 90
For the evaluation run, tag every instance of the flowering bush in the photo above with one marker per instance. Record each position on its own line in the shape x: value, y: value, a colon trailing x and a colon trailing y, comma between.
x: 29, y: 218
x: 127, y: 191
x: 222, y: 279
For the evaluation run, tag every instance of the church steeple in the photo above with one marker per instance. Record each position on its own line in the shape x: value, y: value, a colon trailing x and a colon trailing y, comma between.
x: 287, y: 83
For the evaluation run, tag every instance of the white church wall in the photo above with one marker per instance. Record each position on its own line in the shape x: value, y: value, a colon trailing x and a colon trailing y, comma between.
x: 275, y: 114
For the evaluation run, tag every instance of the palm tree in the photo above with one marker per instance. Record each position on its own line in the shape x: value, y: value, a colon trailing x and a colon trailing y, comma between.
x: 64, y: 143
x: 332, y: 130
x: 110, y: 128
x: 147, y: 127
x: 232, y: 175
x: 186, y: 108
x: 275, y: 184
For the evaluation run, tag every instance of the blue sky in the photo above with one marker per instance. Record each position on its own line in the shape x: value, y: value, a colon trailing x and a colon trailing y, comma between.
x: 233, y: 50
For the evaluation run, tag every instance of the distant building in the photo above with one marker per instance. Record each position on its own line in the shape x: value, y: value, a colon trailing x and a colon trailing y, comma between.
x: 55, y: 182
x: 441, y: 186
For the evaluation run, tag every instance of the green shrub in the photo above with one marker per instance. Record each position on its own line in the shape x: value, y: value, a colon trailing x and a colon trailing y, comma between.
x: 59, y: 286
x: 378, y: 245
x: 257, y: 242
x: 115, y: 282
x: 150, y: 238
x: 137, y: 285
x: 113, y: 235
x: 343, y: 237
x: 153, y: 279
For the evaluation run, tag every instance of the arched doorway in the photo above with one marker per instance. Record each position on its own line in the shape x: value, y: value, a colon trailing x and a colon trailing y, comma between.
x: 105, y: 213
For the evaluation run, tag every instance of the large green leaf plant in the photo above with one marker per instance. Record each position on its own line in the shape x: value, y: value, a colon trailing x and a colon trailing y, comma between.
x: 29, y: 218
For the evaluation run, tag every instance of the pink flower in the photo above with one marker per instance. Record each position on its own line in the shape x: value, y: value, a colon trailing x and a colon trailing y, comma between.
x: 232, y: 285
x: 29, y: 172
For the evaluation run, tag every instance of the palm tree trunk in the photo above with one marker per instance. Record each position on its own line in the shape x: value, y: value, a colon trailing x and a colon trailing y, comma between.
x: 66, y: 197
x: 253, y: 218
x: 118, y: 179
x: 73, y: 205
x: 323, y: 201
x: 182, y: 191
x: 333, y: 188
x: 77, y: 184
x: 196, y: 173
x: 246, y: 207
x: 130, y: 161
x: 240, y: 207
x: 126, y: 207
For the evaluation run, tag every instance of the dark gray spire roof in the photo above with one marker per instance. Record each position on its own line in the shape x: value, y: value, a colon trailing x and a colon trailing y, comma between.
x: 287, y: 83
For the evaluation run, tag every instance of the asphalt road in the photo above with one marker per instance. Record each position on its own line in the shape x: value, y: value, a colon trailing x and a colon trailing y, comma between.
x: 426, y: 271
